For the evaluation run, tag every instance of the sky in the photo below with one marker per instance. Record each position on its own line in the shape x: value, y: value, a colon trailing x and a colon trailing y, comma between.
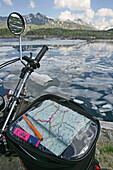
x: 96, y: 12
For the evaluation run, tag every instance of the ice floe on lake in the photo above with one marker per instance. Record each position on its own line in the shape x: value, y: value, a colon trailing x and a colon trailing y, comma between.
x: 78, y: 101
x: 11, y: 76
x: 48, y: 41
x: 3, y: 74
x: 106, y: 108
x: 41, y: 79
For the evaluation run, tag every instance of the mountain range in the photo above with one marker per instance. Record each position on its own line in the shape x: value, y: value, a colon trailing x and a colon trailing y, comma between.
x: 42, y: 20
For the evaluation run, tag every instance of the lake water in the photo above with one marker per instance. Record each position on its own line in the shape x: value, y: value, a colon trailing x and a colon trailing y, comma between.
x: 80, y: 70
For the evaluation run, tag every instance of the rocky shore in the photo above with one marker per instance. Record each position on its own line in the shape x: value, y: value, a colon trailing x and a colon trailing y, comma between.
x: 104, y: 151
x: 106, y: 125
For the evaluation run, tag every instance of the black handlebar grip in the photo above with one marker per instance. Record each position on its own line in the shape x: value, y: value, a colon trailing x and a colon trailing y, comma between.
x: 41, y: 53
x: 26, y: 58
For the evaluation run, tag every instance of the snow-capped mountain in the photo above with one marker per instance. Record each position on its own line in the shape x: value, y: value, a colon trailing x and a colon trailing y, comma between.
x: 37, y: 19
x: 81, y: 22
x: 109, y: 28
x: 40, y: 19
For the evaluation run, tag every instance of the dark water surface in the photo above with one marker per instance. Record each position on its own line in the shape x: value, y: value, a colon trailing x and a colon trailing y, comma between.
x: 80, y: 70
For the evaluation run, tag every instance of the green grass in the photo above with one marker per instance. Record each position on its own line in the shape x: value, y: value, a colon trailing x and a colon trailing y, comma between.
x: 109, y: 149
x: 105, y: 146
x: 3, y: 24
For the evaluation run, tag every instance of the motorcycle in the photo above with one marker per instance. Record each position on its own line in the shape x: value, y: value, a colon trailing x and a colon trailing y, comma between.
x: 51, y: 132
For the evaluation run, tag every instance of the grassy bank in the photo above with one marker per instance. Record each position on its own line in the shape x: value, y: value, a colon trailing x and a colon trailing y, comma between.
x: 105, y: 149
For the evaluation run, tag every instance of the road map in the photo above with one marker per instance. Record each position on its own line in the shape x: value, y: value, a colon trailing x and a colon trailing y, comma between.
x: 57, y: 124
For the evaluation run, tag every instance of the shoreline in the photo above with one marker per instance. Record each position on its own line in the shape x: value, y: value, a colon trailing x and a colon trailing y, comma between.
x: 104, y: 145
x: 61, y: 37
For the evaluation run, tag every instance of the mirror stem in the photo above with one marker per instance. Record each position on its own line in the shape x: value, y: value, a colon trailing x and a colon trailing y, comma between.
x: 20, y: 47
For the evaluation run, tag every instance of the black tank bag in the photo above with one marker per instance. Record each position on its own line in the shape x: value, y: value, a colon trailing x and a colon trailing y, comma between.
x: 69, y: 134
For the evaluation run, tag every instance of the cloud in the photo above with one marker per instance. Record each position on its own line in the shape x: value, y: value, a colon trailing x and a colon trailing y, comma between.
x: 32, y: 5
x: 8, y: 2
x: 89, y: 16
x: 66, y: 15
x: 73, y: 4
x: 98, y: 19
x: 89, y: 13
x: 101, y: 23
x: 111, y: 22
x: 79, y: 5
x: 105, y: 12
x: 86, y: 16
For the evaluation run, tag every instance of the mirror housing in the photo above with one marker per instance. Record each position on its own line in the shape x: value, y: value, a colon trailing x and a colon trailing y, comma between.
x: 2, y: 103
x: 15, y: 23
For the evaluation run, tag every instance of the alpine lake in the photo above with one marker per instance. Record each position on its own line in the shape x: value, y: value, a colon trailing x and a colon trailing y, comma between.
x: 80, y: 70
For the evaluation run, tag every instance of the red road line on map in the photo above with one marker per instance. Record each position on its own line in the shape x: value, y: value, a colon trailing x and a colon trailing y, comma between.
x: 50, y: 119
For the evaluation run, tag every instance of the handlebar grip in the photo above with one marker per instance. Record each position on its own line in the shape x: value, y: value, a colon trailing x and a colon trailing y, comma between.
x: 26, y: 58
x: 41, y: 53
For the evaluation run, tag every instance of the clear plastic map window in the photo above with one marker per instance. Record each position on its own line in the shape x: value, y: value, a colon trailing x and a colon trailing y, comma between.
x: 66, y: 133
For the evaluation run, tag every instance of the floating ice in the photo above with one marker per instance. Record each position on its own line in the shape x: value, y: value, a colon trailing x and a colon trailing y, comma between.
x: 109, y: 98
x: 2, y: 54
x: 86, y: 93
x: 75, y: 92
x: 94, y: 107
x: 82, y: 69
x: 10, y: 76
x: 103, y: 114
x: 6, y: 48
x: 40, y: 78
x: 2, y: 74
x: 107, y: 106
x: 78, y: 101
x: 48, y: 41
x: 98, y: 102
x: 66, y: 50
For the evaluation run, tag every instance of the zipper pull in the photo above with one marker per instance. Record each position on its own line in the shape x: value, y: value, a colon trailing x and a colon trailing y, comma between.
x: 5, y: 143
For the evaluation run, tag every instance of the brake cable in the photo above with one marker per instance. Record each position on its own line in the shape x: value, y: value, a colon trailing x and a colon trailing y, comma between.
x: 9, y: 62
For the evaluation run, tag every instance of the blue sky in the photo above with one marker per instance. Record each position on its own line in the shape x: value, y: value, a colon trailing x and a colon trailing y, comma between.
x: 95, y: 12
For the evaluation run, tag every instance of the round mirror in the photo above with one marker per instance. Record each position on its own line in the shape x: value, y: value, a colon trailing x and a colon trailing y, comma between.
x: 16, y: 23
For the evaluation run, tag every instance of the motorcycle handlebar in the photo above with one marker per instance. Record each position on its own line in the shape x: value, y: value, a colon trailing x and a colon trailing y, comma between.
x: 34, y: 63
x: 41, y: 53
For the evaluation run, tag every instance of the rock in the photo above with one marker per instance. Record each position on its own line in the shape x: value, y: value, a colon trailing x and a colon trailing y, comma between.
x: 110, y: 135
x: 97, y: 151
x: 106, y: 125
